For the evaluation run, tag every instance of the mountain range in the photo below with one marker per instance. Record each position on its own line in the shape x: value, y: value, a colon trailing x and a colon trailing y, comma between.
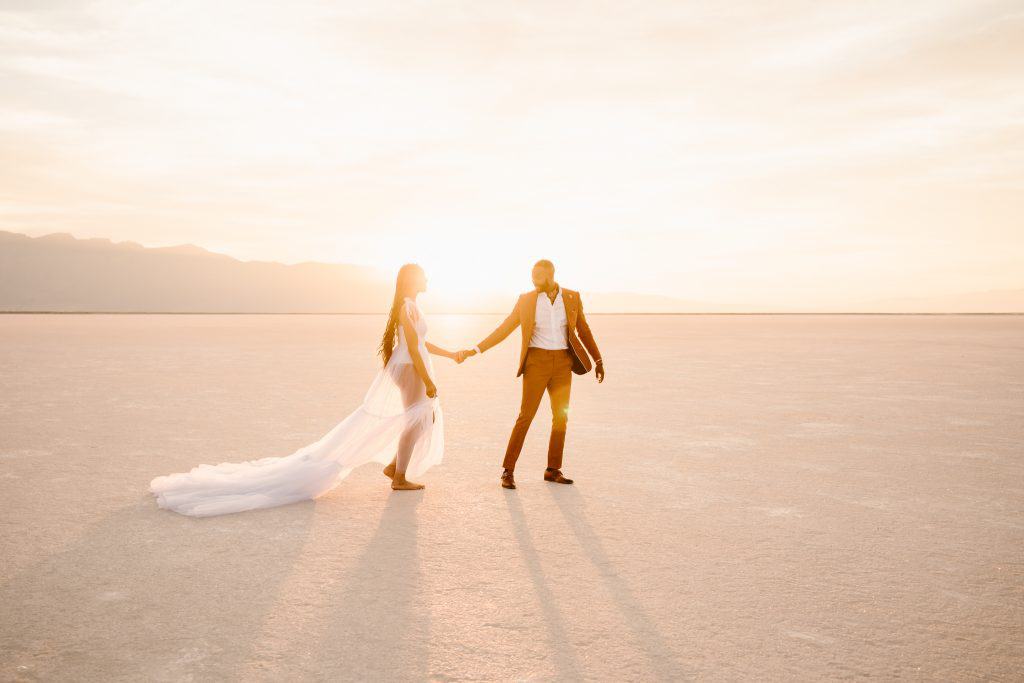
x: 62, y: 273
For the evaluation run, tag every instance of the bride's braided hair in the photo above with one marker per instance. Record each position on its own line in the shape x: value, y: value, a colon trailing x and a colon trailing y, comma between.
x: 387, y: 342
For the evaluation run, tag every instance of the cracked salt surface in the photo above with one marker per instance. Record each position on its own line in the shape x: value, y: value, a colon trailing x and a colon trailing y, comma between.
x: 723, y: 525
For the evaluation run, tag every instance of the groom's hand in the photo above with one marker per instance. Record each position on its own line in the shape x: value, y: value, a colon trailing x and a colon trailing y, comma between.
x: 463, y: 355
x: 599, y: 371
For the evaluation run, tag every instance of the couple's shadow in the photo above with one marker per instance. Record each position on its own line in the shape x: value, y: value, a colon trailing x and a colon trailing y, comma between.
x: 125, y: 587
x: 380, y: 626
x: 645, y: 633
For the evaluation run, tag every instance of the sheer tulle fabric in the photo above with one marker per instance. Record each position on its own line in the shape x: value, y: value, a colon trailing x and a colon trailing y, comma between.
x: 395, y: 412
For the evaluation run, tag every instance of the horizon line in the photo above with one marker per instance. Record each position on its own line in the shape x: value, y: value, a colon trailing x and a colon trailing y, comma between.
x: 665, y: 313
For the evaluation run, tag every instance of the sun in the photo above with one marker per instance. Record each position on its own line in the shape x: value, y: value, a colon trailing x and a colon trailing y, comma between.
x: 461, y: 265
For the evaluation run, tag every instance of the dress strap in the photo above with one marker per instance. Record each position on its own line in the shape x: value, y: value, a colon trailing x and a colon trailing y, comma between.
x: 410, y: 308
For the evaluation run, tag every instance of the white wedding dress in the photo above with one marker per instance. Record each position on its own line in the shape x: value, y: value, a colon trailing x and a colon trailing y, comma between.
x: 396, y: 418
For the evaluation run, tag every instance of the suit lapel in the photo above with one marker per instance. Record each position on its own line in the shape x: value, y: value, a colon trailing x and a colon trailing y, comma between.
x: 530, y: 314
x: 569, y: 301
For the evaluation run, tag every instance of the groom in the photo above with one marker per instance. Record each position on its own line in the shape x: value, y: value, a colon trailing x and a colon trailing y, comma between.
x: 555, y: 332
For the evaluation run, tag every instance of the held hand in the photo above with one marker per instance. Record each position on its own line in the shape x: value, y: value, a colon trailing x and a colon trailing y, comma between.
x: 463, y: 355
x: 431, y: 389
x: 599, y: 371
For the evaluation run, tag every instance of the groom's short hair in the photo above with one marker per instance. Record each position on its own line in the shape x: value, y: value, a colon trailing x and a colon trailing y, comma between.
x: 545, y: 264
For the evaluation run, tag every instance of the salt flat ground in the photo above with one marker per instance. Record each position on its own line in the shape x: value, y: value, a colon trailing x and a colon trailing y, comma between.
x: 758, y: 497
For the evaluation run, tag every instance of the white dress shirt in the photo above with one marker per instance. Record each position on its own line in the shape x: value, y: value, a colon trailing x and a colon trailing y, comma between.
x: 551, y: 327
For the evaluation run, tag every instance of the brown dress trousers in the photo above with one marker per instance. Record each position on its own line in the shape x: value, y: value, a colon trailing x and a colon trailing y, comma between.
x: 550, y: 371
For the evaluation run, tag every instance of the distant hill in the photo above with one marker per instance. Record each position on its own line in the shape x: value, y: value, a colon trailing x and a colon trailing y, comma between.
x: 59, y: 272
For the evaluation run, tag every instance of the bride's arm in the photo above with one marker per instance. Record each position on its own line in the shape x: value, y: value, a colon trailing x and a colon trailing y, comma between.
x: 412, y: 340
x: 438, y: 351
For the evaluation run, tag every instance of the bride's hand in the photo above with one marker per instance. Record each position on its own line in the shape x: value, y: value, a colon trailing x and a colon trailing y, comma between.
x: 431, y: 389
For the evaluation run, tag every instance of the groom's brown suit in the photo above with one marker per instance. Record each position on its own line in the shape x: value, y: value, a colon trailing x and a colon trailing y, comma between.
x: 543, y: 369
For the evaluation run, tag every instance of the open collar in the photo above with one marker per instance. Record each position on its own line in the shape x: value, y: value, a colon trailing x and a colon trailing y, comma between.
x: 529, y: 315
x: 558, y: 295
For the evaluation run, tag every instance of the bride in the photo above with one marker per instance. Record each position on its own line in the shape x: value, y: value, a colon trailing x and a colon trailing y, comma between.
x: 399, y: 420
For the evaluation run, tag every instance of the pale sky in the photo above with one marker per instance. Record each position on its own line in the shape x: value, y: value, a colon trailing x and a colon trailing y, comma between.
x: 791, y: 153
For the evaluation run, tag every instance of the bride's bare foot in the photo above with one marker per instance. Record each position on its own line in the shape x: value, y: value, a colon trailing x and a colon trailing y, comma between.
x: 400, y: 483
x: 389, y: 471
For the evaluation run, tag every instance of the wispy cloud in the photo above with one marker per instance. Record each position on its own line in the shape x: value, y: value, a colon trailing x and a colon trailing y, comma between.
x: 719, y: 151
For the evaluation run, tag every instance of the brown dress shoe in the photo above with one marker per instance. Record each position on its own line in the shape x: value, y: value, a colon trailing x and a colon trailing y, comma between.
x: 555, y: 476
x: 507, y: 480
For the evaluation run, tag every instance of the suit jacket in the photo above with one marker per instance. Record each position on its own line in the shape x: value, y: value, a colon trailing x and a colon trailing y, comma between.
x: 581, y: 340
